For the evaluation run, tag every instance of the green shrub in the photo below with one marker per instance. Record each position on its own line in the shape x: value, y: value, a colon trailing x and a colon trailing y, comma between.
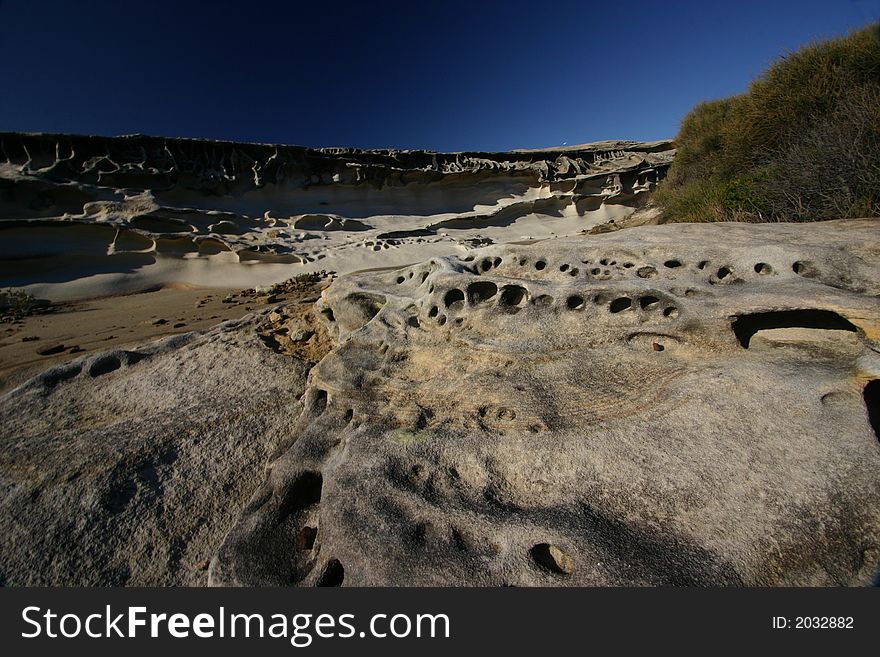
x: 802, y: 144
x: 700, y: 141
x: 694, y: 201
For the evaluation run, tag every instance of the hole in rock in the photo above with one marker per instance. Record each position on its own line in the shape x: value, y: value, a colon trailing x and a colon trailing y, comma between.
x: 481, y: 291
x: 544, y: 300
x: 702, y: 264
x: 523, y: 262
x: 328, y: 313
x: 574, y: 271
x: 433, y: 312
x: 872, y: 403
x: 646, y: 272
x: 745, y: 326
x: 105, y: 365
x: 333, y: 574
x: 441, y: 320
x: 302, y: 493
x: 551, y: 558
x: 671, y: 311
x: 512, y: 296
x: 595, y: 271
x: 366, y: 305
x: 454, y: 296
x: 540, y: 265
x: 723, y: 273
x: 305, y: 538
x: 648, y: 301
x: 803, y: 268
x: 656, y: 346
x: 486, y: 265
x: 763, y: 268
x: 574, y: 302
x: 672, y: 264
x: 603, y: 262
x: 319, y: 403
x: 628, y: 265
x: 349, y: 415
x: 620, y: 304
x: 563, y: 267
x: 400, y: 279
x: 413, y: 322
x: 496, y: 262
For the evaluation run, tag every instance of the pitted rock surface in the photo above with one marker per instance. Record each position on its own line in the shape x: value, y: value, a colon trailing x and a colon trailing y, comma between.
x: 681, y: 404
x: 678, y: 404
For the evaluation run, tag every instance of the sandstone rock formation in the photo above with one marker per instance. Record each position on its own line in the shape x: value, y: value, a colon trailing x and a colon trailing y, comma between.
x: 677, y: 404
x: 667, y: 405
x: 83, y: 216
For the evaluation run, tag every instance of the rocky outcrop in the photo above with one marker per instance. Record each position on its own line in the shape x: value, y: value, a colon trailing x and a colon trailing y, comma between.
x: 126, y: 468
x: 677, y: 404
x: 222, y: 168
x: 72, y: 206
x: 682, y: 404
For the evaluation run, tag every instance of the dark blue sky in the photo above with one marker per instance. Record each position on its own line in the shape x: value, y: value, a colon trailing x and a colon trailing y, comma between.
x: 443, y: 75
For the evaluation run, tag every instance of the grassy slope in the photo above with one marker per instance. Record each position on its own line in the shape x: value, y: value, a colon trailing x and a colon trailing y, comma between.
x: 802, y: 144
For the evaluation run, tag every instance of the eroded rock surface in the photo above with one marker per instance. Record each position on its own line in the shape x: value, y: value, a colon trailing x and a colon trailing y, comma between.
x: 663, y: 405
x: 678, y: 404
x: 82, y: 216
x: 127, y: 467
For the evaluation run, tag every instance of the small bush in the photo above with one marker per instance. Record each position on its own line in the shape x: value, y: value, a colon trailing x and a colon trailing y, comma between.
x: 309, y: 278
x: 802, y: 144
x: 15, y: 304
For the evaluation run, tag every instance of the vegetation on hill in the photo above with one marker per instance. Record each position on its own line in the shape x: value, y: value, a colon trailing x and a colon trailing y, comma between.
x: 802, y: 144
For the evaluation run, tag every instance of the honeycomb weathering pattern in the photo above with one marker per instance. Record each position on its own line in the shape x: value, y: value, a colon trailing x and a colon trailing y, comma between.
x: 676, y: 404
x: 589, y: 394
